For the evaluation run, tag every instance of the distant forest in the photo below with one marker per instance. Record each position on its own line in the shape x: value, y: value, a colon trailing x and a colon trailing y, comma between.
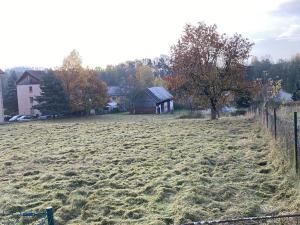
x: 286, y: 70
x: 115, y: 75
x: 152, y: 69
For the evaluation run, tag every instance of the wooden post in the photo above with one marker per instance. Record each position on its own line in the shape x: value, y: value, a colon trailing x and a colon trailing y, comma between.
x: 267, y: 118
x: 50, y: 215
x: 1, y: 99
x: 296, y: 141
x: 275, y: 126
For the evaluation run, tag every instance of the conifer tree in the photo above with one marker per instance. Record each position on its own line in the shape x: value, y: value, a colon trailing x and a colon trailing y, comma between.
x: 53, y: 99
x: 10, y: 100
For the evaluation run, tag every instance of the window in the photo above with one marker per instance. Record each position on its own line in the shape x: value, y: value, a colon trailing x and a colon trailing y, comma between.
x: 30, y: 89
x: 31, y: 99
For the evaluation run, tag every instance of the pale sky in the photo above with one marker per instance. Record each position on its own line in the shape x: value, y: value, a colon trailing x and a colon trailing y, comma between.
x: 40, y: 33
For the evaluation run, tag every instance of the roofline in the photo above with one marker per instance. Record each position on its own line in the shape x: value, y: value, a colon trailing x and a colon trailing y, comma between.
x: 24, y: 74
x: 150, y: 94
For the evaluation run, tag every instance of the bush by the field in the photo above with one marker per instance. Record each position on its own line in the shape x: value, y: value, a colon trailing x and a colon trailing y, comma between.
x: 239, y: 112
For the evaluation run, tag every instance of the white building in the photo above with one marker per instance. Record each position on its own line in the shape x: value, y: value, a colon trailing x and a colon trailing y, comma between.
x: 28, y: 87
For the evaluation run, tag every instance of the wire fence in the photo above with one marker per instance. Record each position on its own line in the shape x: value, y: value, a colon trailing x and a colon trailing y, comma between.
x: 284, y: 127
x: 292, y: 219
x: 38, y: 218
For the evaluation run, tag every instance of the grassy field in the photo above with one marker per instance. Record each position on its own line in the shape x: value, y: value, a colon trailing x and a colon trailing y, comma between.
x: 122, y: 169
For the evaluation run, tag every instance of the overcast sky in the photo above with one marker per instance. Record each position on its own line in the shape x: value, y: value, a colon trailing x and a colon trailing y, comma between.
x: 40, y: 33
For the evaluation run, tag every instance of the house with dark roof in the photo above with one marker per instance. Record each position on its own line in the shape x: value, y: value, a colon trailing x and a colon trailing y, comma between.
x: 28, y: 87
x: 1, y: 100
x: 154, y: 100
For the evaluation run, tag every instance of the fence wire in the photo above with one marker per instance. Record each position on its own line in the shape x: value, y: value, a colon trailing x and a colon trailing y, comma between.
x: 280, y: 123
x: 267, y: 220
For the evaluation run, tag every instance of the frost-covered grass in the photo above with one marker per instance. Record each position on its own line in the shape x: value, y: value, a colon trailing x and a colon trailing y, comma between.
x: 122, y: 169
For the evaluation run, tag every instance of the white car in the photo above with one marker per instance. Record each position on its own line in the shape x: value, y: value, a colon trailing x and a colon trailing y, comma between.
x: 14, y: 118
x: 24, y: 118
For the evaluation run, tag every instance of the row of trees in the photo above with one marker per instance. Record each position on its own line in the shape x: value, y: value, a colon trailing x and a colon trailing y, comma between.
x: 153, y: 69
x: 206, y: 68
x: 134, y: 76
x: 287, y: 70
x: 73, y: 88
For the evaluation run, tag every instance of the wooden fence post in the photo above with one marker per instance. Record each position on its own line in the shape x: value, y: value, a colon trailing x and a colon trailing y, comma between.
x: 275, y: 126
x: 267, y: 118
x: 50, y: 215
x: 296, y: 141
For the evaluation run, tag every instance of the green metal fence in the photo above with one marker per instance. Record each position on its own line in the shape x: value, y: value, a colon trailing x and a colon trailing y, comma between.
x: 40, y: 218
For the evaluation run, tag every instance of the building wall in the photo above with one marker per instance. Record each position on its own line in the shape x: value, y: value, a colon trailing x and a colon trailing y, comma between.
x: 171, y: 105
x: 144, y: 105
x: 24, y: 99
x: 165, y: 107
x: 1, y: 103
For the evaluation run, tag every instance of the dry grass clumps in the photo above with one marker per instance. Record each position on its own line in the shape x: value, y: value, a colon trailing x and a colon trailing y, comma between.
x: 158, y: 170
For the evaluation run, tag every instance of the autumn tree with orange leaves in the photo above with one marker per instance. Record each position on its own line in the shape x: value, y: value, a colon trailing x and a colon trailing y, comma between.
x: 210, y: 64
x: 83, y: 86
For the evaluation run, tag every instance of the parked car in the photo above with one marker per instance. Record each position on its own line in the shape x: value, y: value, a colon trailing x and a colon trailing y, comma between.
x: 50, y: 116
x: 14, y: 118
x: 45, y: 117
x: 24, y: 118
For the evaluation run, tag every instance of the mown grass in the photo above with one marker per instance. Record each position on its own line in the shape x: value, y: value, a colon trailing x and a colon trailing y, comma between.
x: 159, y: 170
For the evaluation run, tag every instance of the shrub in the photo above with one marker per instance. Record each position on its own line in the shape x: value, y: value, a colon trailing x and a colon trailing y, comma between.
x: 195, y: 115
x: 239, y: 112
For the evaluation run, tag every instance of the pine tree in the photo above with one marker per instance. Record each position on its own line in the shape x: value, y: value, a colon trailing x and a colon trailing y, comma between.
x: 10, y: 99
x: 53, y: 99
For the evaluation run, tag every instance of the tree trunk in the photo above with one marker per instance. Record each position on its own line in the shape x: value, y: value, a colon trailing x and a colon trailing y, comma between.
x: 191, y: 107
x: 214, y: 110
